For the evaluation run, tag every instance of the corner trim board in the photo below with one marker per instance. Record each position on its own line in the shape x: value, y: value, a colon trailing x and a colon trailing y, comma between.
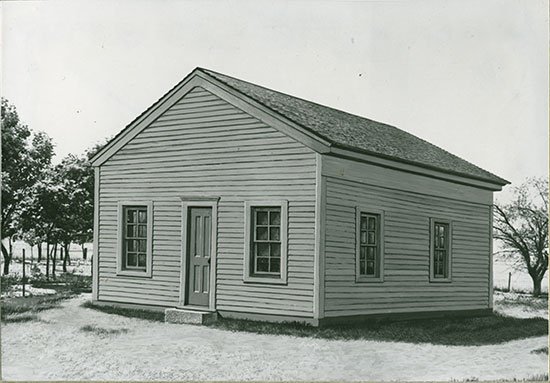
x: 95, y: 254
x: 319, y: 260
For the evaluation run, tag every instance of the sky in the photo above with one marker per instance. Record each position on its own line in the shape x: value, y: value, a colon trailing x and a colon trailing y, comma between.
x: 468, y: 76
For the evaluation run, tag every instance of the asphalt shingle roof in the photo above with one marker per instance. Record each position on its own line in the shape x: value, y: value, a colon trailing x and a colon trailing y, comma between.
x: 357, y: 133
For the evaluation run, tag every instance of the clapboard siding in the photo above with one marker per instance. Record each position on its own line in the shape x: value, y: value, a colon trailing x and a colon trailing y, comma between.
x: 408, y: 202
x: 204, y: 145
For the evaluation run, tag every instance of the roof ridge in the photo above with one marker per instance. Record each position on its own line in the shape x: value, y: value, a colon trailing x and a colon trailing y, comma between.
x: 206, y: 70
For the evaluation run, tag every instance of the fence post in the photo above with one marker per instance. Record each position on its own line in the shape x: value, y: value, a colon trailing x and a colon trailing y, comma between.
x: 23, y: 272
x: 509, y: 280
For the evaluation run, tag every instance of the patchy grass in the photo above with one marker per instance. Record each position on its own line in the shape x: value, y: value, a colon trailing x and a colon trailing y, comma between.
x: 492, y: 329
x: 18, y: 318
x: 65, y: 282
x: 24, y: 309
x: 156, y: 316
x: 531, y: 378
x: 527, y: 301
x: 542, y: 350
x: 8, y: 281
x: 103, y: 331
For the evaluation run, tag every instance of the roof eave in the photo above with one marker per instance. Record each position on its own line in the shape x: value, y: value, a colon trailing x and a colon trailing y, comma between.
x: 363, y: 155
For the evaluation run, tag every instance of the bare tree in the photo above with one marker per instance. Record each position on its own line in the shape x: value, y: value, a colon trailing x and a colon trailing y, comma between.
x: 522, y: 226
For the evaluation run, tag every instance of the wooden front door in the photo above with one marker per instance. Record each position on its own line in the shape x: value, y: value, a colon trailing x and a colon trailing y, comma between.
x: 199, y: 242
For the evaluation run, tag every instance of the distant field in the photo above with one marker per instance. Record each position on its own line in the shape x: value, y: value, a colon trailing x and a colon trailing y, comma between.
x: 520, y: 280
x: 78, y: 265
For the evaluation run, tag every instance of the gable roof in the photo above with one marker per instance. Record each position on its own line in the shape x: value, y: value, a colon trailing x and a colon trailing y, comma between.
x: 334, y: 127
x: 356, y: 133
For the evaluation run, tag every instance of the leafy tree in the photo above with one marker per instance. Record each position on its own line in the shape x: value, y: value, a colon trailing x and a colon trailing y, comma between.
x: 24, y: 157
x: 522, y: 226
x: 42, y: 209
x: 76, y: 178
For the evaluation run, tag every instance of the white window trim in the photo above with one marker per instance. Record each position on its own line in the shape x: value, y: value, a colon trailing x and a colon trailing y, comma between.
x: 449, y: 255
x: 247, y: 275
x: 365, y: 278
x: 120, y: 240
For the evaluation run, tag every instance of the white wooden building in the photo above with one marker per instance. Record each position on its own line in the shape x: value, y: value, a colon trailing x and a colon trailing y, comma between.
x: 228, y: 197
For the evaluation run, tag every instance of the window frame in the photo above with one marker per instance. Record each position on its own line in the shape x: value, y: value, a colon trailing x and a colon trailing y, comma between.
x: 449, y: 223
x: 359, y: 210
x: 248, y: 275
x: 121, y: 227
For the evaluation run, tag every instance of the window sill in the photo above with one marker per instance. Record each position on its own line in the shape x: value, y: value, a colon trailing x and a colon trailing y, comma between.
x: 369, y: 280
x: 440, y: 280
x: 265, y: 280
x: 134, y: 273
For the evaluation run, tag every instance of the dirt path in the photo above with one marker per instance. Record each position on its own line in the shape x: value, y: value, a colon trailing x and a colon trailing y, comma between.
x: 56, y: 349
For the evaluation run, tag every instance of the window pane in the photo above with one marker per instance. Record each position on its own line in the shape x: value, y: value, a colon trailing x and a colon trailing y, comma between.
x: 274, y: 218
x: 262, y: 264
x: 141, y: 260
x: 363, y: 253
x: 262, y: 249
x: 363, y: 223
x: 363, y: 237
x: 131, y: 245
x: 372, y: 223
x: 370, y: 267
x: 362, y: 267
x: 142, y: 231
x: 261, y: 233
x: 371, y: 253
x: 275, y: 250
x: 371, y: 239
x: 143, y: 216
x: 142, y: 245
x: 275, y: 265
x: 261, y: 218
x: 130, y: 231
x: 131, y: 259
x: 274, y: 234
x: 130, y: 216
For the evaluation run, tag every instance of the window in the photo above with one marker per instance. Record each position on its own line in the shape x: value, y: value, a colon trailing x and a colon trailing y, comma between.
x: 369, y: 247
x: 134, y: 246
x: 135, y: 239
x: 265, y: 241
x: 440, y: 250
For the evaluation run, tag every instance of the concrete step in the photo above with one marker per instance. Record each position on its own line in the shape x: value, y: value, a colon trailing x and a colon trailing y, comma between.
x: 174, y: 315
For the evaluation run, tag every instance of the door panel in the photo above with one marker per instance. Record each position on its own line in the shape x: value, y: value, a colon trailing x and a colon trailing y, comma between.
x: 198, y: 255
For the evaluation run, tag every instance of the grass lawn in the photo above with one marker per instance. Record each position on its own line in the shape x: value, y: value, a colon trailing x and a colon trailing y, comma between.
x: 25, y: 309
x: 157, y: 316
x: 76, y: 342
x: 492, y: 329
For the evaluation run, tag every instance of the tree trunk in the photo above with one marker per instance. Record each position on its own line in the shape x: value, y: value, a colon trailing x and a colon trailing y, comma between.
x: 67, y: 254
x: 53, y: 259
x: 7, y: 259
x: 39, y: 245
x: 84, y: 252
x: 47, y: 260
x: 536, y: 287
x: 63, y: 256
x: 66, y: 258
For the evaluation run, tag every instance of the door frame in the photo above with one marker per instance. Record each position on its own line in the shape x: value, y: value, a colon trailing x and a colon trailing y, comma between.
x: 187, y: 202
